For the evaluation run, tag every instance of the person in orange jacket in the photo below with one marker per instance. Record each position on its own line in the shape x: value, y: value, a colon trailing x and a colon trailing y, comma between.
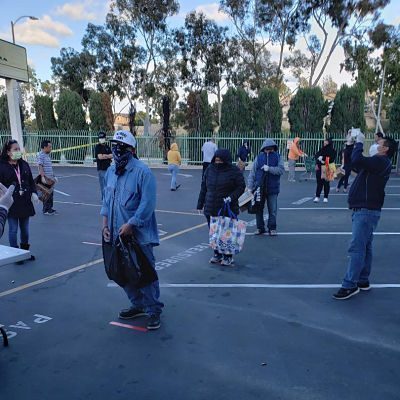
x: 294, y: 154
x: 174, y: 162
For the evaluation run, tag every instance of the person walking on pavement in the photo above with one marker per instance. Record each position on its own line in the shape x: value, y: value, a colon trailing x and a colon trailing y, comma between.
x: 129, y: 210
x: 209, y: 148
x: 366, y: 197
x: 102, y: 153
x: 46, y: 172
x: 267, y: 170
x: 15, y: 171
x: 174, y: 161
x: 222, y: 182
x: 346, y: 164
x: 6, y: 201
x: 294, y: 154
x: 326, y: 153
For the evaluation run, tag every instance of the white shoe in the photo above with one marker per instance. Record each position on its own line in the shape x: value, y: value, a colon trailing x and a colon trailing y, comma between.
x: 316, y: 200
x: 325, y: 200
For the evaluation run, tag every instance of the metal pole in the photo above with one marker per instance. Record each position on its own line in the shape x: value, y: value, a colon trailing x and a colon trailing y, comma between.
x: 378, y: 120
x: 12, y: 30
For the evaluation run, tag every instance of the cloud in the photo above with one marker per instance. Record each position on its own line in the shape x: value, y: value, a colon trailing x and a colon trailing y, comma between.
x: 44, y: 32
x: 77, y: 11
x: 212, y: 12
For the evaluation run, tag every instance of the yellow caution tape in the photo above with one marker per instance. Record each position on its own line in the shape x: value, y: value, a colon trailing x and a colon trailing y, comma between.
x: 62, y: 150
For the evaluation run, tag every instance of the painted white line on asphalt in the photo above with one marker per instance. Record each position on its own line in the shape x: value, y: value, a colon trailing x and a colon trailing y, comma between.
x: 265, y: 285
x: 77, y: 203
x: 329, y: 208
x: 185, y: 175
x: 75, y: 175
x: 93, y: 244
x: 324, y: 233
x: 63, y: 193
x: 302, y: 201
x: 392, y: 186
x: 346, y: 194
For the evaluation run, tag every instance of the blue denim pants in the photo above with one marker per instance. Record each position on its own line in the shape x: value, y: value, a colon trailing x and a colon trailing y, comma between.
x: 146, y: 298
x: 272, y: 205
x: 174, y: 169
x: 102, y: 180
x: 360, y: 250
x: 13, y: 230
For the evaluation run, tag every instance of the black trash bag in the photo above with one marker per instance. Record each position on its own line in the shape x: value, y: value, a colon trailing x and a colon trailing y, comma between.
x: 260, y: 194
x: 125, y: 262
x: 112, y: 262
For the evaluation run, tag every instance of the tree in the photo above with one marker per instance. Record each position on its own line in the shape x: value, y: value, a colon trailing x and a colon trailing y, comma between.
x: 73, y: 70
x: 253, y: 68
x: 149, y: 19
x: 44, y: 112
x: 394, y: 115
x: 267, y: 112
x: 100, y: 112
x: 329, y: 87
x: 348, y: 109
x: 4, y: 116
x: 70, y: 111
x: 307, y: 111
x: 118, y: 58
x: 198, y: 113
x: 205, y: 52
x: 236, y: 111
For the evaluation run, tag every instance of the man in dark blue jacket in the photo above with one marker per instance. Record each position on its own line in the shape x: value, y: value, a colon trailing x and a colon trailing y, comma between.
x: 267, y: 169
x: 366, y: 197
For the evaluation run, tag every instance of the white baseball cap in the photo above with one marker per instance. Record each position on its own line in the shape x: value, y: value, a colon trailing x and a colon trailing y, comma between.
x: 124, y: 137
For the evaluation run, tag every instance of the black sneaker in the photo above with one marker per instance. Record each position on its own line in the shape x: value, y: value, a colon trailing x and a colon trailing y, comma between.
x: 364, y: 286
x: 131, y: 313
x: 153, y: 322
x: 343, y: 294
x: 260, y: 231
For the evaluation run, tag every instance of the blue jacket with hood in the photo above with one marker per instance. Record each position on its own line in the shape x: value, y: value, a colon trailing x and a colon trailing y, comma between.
x: 276, y: 168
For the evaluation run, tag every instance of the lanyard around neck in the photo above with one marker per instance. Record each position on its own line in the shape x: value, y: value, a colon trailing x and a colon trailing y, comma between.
x: 18, y: 173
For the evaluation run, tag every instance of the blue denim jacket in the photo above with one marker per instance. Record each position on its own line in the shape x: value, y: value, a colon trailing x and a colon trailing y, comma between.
x: 131, y: 198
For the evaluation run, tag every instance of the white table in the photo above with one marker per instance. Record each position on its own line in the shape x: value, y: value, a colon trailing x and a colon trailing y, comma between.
x: 10, y: 255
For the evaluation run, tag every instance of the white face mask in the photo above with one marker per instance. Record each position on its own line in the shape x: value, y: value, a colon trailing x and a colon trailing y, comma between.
x: 102, y: 141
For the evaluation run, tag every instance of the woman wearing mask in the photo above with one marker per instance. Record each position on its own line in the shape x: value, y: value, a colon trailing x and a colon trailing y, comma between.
x: 326, y: 153
x: 174, y: 161
x: 222, y: 183
x: 15, y: 171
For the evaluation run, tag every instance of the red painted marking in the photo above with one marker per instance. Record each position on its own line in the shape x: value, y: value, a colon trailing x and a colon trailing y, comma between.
x: 136, y: 328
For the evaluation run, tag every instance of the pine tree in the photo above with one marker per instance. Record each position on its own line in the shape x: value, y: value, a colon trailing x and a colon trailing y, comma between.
x: 236, y: 111
x: 394, y: 115
x: 70, y: 111
x: 4, y: 117
x: 44, y: 111
x: 267, y: 112
x: 100, y: 112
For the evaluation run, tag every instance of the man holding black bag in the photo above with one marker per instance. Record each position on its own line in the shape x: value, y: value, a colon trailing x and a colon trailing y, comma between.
x: 264, y: 179
x: 130, y: 228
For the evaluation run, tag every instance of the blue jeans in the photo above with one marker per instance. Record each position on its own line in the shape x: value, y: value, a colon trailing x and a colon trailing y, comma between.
x: 174, y: 169
x: 102, y: 180
x: 360, y: 250
x: 272, y: 205
x: 13, y: 230
x: 146, y: 298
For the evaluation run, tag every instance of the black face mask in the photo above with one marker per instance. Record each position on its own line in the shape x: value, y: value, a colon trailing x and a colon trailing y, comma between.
x: 121, y: 155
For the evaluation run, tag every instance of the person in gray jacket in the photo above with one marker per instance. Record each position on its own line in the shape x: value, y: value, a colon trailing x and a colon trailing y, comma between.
x: 267, y: 170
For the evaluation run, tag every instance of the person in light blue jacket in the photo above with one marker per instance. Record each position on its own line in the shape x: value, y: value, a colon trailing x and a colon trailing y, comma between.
x: 129, y: 209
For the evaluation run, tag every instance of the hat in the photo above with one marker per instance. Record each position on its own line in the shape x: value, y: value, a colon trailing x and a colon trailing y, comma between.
x: 124, y: 137
x: 102, y: 135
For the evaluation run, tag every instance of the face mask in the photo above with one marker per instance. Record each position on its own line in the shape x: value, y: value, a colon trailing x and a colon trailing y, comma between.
x: 121, y: 155
x: 16, y: 155
x: 102, y: 141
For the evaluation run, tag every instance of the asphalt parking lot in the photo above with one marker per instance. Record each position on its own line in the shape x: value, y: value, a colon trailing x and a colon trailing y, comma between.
x: 266, y: 328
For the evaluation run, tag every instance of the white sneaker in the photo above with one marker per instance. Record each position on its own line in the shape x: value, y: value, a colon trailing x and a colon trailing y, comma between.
x: 316, y: 200
x: 325, y: 200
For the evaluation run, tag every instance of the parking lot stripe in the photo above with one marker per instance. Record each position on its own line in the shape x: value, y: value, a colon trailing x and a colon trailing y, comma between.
x: 329, y: 208
x: 271, y: 285
x: 325, y: 233
x: 136, y: 328
x: 63, y: 193
x: 84, y: 266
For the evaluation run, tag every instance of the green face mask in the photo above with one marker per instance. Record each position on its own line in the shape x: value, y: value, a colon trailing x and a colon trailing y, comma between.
x: 16, y: 155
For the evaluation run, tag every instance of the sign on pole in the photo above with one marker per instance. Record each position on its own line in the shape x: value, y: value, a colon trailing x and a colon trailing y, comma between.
x: 13, y: 62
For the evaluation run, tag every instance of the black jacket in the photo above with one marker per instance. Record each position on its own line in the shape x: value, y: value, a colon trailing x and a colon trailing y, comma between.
x: 220, y: 181
x: 326, y: 151
x: 22, y: 206
x: 368, y: 189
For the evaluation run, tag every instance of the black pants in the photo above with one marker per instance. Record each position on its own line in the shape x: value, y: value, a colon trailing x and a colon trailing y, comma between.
x: 48, y: 205
x: 322, y: 183
x: 344, y: 180
x: 205, y: 166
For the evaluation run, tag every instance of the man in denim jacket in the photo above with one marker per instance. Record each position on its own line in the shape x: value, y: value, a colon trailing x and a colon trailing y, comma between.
x: 366, y: 197
x: 128, y: 209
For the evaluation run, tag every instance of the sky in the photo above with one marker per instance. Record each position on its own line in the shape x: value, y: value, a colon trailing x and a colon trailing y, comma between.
x: 62, y: 24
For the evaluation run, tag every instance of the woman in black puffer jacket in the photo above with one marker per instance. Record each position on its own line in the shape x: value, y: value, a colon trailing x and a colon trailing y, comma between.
x: 222, y: 182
